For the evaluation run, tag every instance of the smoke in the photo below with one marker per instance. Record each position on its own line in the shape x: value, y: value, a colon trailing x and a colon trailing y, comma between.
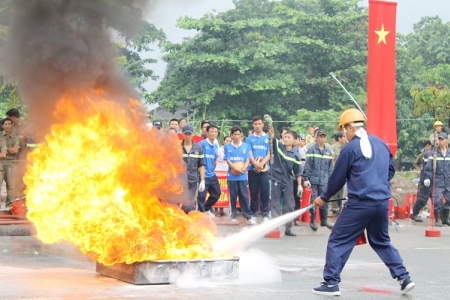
x: 63, y: 46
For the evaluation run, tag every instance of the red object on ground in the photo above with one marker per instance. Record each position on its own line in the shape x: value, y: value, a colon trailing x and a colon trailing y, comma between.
x: 19, y: 208
x: 400, y: 212
x: 274, y: 234
x: 407, y: 206
x: 361, y: 240
x: 381, y: 115
x: 433, y: 232
x: 306, y: 199
x: 414, y: 199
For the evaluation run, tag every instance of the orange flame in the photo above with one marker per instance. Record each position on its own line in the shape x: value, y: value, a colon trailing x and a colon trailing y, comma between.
x: 104, y: 182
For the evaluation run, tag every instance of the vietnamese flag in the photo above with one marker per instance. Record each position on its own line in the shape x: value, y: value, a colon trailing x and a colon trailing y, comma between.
x: 381, y: 116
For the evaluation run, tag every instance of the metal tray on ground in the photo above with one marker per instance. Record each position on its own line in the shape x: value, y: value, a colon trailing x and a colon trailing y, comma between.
x: 163, y: 271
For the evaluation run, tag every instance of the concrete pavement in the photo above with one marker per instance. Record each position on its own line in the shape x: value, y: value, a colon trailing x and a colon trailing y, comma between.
x: 284, y: 268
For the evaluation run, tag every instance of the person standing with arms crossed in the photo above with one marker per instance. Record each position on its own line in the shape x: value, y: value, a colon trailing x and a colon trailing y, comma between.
x: 367, y: 165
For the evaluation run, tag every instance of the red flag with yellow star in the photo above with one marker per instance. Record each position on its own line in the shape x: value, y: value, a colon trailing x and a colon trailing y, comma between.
x: 381, y: 116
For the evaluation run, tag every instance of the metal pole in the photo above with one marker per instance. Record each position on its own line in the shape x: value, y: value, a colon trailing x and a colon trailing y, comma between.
x: 360, y: 109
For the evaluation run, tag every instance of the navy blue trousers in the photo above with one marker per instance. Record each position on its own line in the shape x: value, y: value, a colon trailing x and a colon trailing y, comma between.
x: 356, y: 216
x: 259, y: 184
x: 239, y: 188
x: 422, y: 197
x: 440, y: 192
x: 213, y: 188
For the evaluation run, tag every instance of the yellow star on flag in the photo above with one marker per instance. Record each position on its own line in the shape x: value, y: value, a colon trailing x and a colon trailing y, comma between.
x: 382, y: 35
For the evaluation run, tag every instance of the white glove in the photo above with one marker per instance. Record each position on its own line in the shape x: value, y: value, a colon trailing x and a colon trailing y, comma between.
x: 306, y: 184
x: 201, y: 186
x: 299, y: 191
x: 426, y: 182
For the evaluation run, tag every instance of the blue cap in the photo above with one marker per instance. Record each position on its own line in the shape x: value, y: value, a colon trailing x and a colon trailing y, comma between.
x: 188, y: 129
x: 443, y: 136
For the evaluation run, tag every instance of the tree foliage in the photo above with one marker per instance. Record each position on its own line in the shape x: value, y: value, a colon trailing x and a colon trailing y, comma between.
x: 267, y: 56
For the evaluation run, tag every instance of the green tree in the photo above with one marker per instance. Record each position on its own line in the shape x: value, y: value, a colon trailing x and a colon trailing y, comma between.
x: 267, y: 56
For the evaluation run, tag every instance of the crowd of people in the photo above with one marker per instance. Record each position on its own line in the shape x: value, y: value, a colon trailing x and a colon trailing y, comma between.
x: 266, y: 182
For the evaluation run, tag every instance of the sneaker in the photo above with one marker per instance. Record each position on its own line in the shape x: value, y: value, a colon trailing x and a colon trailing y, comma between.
x: 327, y: 290
x: 406, y: 285
x: 265, y: 219
x: 234, y: 220
x: 209, y: 213
x: 252, y: 221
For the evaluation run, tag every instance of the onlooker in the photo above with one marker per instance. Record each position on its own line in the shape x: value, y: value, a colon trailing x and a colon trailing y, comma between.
x: 221, y: 165
x: 437, y: 126
x: 2, y: 157
x: 194, y: 159
x: 12, y: 149
x: 173, y: 123
x: 205, y: 123
x: 258, y: 175
x: 286, y: 168
x: 237, y: 157
x: 158, y: 124
x: 318, y: 168
x: 18, y: 126
x: 250, y: 132
x: 340, y: 140
x: 441, y: 180
x: 172, y: 130
x: 310, y: 135
x: 425, y: 192
x: 211, y: 181
x: 181, y: 123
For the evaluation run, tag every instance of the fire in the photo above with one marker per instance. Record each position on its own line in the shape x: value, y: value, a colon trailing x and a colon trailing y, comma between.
x: 104, y: 182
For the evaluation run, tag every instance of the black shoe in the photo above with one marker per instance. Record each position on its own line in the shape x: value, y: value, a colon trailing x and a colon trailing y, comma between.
x: 289, y: 233
x: 325, y: 289
x: 313, y: 226
x: 326, y: 224
x: 406, y: 285
x: 438, y: 223
x: 416, y: 218
x: 335, y: 212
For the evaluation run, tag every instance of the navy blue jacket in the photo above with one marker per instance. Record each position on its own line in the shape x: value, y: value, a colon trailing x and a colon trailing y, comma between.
x: 286, y: 165
x: 318, y: 164
x: 442, y: 168
x: 367, y: 179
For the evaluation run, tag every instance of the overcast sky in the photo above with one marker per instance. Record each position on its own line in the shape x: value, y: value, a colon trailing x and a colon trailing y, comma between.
x: 165, y: 14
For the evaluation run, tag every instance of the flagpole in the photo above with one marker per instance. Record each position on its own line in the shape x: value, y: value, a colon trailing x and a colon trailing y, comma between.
x: 360, y: 109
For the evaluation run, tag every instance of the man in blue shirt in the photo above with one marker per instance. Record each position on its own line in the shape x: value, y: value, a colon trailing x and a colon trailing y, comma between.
x: 258, y: 176
x: 211, y: 181
x: 237, y: 157
x: 367, y: 165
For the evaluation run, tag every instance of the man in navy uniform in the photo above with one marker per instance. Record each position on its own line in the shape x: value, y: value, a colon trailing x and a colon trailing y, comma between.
x: 367, y: 165
x: 195, y: 164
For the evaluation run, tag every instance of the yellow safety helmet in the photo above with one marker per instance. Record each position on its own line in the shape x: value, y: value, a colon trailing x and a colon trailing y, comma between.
x: 349, y: 116
x: 438, y: 123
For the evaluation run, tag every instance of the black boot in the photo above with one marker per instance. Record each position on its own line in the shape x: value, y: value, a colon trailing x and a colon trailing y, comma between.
x: 445, y: 220
x: 313, y: 223
x: 415, y: 215
x: 323, y: 219
x: 437, y: 217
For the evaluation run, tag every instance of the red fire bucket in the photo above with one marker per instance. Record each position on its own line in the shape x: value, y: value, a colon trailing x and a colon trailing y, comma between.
x: 361, y: 240
x: 19, y: 208
x: 400, y: 212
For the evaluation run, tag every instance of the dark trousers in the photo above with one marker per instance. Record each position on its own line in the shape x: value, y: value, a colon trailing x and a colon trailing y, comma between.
x: 356, y: 216
x: 189, y: 204
x: 297, y: 199
x: 280, y: 191
x: 440, y: 192
x: 213, y: 188
x: 259, y: 186
x: 317, y: 190
x: 422, y: 197
x: 239, y: 188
